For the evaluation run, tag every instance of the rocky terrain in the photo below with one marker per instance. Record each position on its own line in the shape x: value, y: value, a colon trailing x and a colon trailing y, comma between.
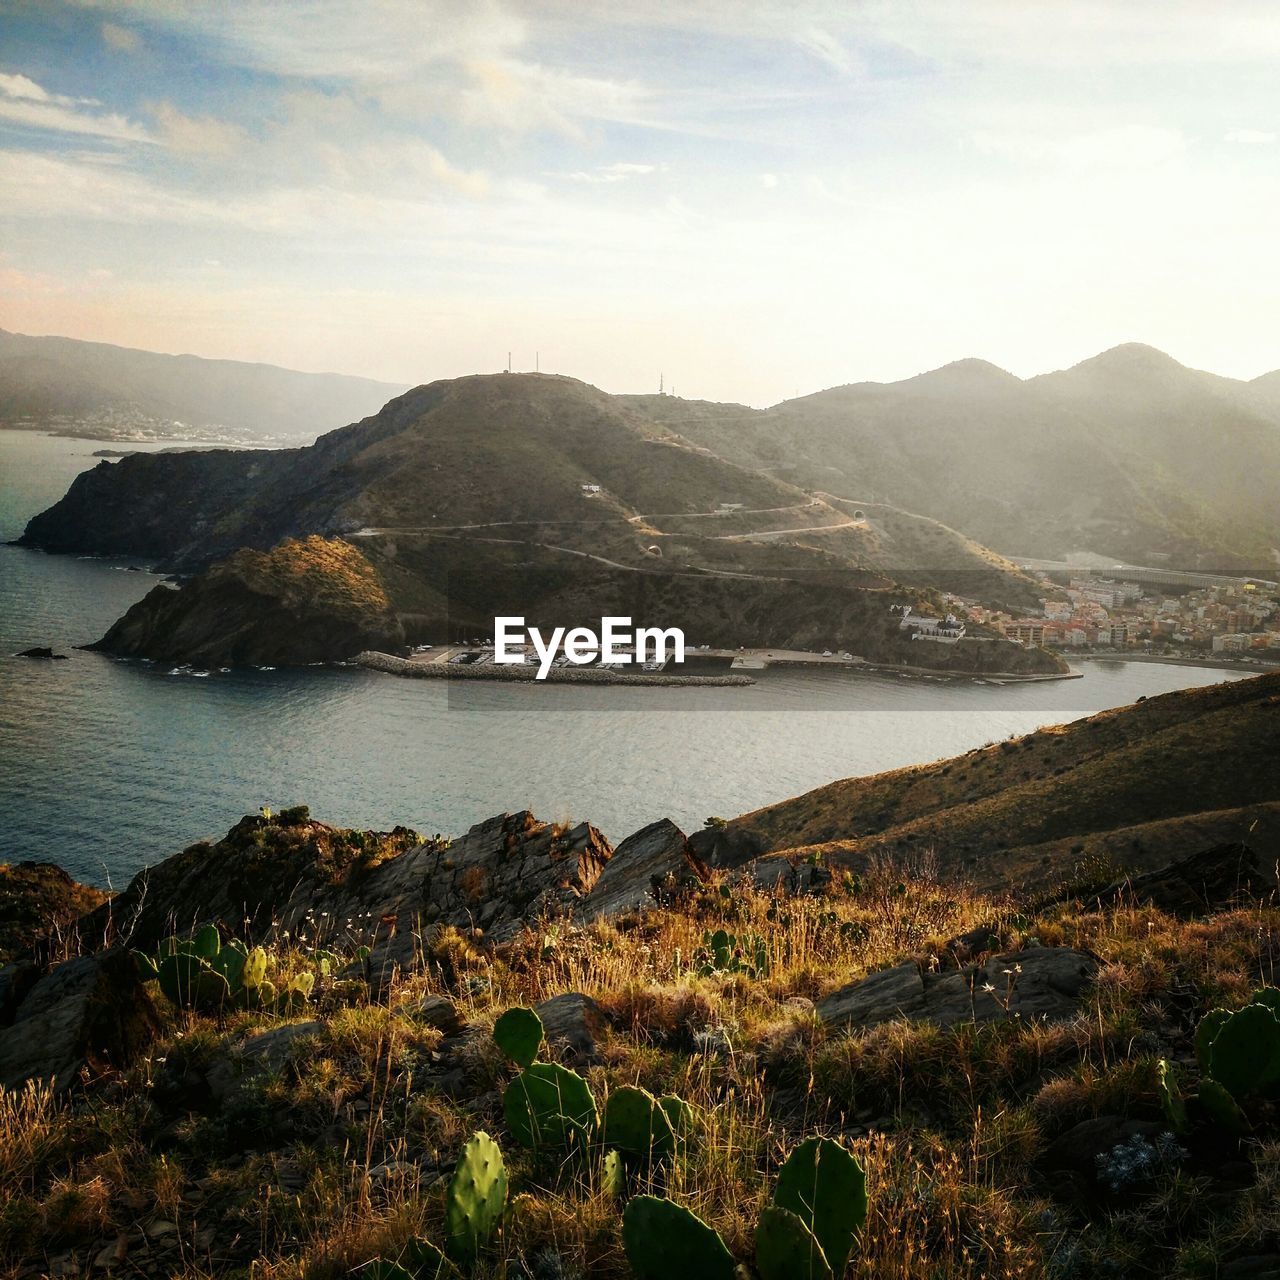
x: 267, y: 1053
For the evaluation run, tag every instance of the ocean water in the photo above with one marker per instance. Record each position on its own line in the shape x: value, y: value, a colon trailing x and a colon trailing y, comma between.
x: 107, y: 766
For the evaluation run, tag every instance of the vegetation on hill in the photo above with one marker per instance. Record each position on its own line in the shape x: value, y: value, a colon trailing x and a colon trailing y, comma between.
x: 309, y: 1143
x: 306, y: 600
x: 1129, y: 788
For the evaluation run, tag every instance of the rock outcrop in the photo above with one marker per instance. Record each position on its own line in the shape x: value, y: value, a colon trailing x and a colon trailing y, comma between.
x: 392, y: 890
x: 91, y: 1011
x: 1207, y: 881
x: 1038, y: 984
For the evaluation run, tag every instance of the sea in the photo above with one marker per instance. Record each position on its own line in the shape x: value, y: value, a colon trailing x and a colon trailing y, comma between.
x: 108, y: 766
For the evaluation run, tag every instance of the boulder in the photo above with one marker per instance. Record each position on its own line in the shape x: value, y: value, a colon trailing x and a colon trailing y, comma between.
x: 16, y: 980
x: 642, y: 860
x: 571, y: 1024
x: 1078, y: 1149
x: 1207, y: 881
x: 259, y: 1052
x: 1047, y: 988
x: 91, y: 1011
x: 47, y: 654
x: 439, y: 1012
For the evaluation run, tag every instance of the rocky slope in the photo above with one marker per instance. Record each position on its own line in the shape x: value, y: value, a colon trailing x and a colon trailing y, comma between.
x: 1128, y: 789
x: 1022, y: 1077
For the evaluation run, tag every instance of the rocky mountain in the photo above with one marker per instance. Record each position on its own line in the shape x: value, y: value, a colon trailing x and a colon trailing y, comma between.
x: 48, y: 381
x: 538, y: 495
x: 1130, y: 455
x: 1125, y: 790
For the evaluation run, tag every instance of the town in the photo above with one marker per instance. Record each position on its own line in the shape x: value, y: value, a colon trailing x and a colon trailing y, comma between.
x: 1174, y: 614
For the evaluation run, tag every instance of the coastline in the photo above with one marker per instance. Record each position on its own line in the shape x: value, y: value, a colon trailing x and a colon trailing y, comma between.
x: 391, y: 665
x: 1213, y: 664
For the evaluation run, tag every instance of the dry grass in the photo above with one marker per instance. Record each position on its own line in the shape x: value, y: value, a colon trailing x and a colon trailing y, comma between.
x: 339, y: 1154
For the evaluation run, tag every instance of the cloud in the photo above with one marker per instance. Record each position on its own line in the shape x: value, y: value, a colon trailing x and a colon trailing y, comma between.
x: 24, y: 102
x: 609, y: 173
x: 194, y: 135
x: 1250, y: 137
x: 119, y: 38
x: 826, y: 48
x: 769, y: 181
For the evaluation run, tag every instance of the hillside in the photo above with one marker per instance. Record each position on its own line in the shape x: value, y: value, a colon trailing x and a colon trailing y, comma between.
x: 1032, y: 1084
x: 1127, y: 789
x: 303, y: 601
x: 1128, y: 455
x: 120, y: 393
x: 539, y: 495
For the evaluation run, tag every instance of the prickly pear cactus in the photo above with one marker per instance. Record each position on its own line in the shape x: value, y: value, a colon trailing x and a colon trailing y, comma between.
x: 548, y: 1105
x: 664, y: 1241
x: 826, y: 1188
x: 613, y: 1177
x: 1221, y: 1107
x: 476, y: 1197
x: 518, y: 1034
x: 1245, y: 1054
x: 1269, y: 996
x: 1207, y: 1031
x: 254, y: 973
x: 634, y: 1122
x: 207, y: 942
x: 188, y: 982
x: 1171, y: 1096
x: 786, y: 1249
x: 681, y: 1115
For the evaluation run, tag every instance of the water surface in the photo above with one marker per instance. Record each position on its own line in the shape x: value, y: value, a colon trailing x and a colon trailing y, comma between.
x: 106, y: 766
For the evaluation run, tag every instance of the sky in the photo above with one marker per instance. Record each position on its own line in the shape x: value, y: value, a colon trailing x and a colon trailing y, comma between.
x: 750, y: 200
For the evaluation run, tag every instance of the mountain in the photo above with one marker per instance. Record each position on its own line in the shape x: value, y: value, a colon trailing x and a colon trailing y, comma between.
x: 1128, y: 789
x: 121, y: 393
x: 539, y: 495
x: 1129, y: 455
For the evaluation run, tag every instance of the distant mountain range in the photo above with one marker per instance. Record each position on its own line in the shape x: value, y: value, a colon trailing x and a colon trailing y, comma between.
x: 118, y: 393
x: 1128, y: 455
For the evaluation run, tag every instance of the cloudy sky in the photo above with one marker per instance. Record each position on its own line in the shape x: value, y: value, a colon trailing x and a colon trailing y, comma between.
x: 753, y: 198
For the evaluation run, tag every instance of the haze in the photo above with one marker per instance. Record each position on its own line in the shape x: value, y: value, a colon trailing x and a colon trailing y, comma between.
x: 752, y: 199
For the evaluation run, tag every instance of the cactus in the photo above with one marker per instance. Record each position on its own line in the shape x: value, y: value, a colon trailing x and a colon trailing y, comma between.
x: 1221, y: 1107
x: 634, y: 1122
x: 548, y: 1105
x: 254, y: 973
x: 207, y: 942
x: 187, y: 981
x: 786, y: 1248
x: 727, y: 953
x: 1269, y: 996
x: 613, y: 1179
x: 518, y: 1034
x: 1171, y: 1096
x: 295, y: 993
x: 681, y: 1115
x: 148, y: 969
x: 826, y: 1188
x: 1206, y: 1032
x: 476, y: 1197
x: 664, y: 1241
x: 1244, y: 1056
x: 419, y: 1260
